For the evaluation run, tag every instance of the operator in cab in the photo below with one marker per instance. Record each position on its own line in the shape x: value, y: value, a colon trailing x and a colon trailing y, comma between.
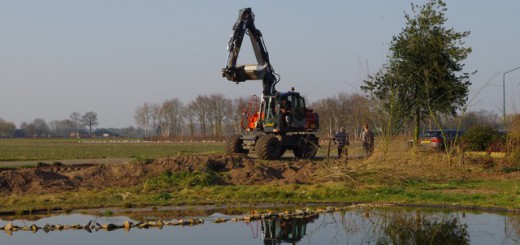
x: 285, y: 110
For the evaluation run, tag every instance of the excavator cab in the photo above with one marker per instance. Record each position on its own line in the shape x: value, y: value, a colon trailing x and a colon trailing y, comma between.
x: 281, y: 113
x: 295, y: 118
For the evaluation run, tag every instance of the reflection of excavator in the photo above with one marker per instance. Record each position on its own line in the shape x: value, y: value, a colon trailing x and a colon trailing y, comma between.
x: 282, y: 121
x: 281, y: 230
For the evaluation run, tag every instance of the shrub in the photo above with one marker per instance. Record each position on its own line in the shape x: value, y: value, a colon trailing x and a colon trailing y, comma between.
x: 145, y: 161
x: 42, y: 164
x: 165, y: 196
x: 485, y: 161
x: 186, y: 179
x: 513, y: 142
x: 57, y: 164
x: 482, y: 138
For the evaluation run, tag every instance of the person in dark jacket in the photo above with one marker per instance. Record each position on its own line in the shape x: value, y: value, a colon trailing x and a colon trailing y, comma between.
x: 341, y: 139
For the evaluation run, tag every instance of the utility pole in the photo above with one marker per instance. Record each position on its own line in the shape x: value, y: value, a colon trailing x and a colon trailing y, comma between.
x: 504, y: 89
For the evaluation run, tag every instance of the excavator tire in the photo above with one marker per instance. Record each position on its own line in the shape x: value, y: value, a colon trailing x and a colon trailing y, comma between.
x: 308, y: 149
x: 268, y: 147
x: 234, y: 145
x: 282, y: 151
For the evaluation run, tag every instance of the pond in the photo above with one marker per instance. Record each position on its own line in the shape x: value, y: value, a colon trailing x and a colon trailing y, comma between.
x: 344, y: 225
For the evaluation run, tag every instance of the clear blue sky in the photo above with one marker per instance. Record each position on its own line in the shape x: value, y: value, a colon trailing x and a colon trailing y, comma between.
x: 108, y: 56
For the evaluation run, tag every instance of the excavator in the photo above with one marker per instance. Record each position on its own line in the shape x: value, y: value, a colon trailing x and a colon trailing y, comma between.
x: 281, y: 122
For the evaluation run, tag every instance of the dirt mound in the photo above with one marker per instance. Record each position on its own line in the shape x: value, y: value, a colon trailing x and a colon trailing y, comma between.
x: 239, y: 170
x: 251, y: 172
x: 33, y: 181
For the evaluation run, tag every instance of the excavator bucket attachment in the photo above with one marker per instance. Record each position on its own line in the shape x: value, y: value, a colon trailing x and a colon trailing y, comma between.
x: 244, y: 72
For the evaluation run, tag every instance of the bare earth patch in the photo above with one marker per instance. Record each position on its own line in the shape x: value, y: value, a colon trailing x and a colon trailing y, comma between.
x: 239, y: 170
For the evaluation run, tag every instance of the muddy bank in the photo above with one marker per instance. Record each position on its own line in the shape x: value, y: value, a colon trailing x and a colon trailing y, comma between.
x: 238, y: 169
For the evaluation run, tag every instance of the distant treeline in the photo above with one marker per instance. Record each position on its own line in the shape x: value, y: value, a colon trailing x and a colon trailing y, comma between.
x: 216, y: 116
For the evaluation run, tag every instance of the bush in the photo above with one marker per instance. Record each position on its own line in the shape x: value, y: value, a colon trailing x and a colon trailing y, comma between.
x: 57, y: 164
x: 482, y: 138
x: 42, y: 164
x: 186, y: 179
x: 485, y: 161
x: 513, y: 142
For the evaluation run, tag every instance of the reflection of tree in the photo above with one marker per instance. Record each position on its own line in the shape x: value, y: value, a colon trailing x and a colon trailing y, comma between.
x: 513, y: 227
x: 284, y: 230
x: 405, y: 228
x: 398, y: 226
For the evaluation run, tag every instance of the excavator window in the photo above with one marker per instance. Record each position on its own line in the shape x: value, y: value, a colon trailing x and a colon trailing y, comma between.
x: 298, y: 108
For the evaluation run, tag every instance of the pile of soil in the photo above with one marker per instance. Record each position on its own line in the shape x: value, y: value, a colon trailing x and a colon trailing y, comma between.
x: 239, y: 169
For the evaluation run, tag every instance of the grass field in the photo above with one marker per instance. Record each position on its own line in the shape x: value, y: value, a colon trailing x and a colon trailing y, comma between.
x: 71, y: 149
x: 62, y: 149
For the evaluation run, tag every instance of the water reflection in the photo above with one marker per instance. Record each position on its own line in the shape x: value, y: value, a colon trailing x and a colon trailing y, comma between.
x: 278, y: 230
x: 353, y: 225
x: 419, y: 228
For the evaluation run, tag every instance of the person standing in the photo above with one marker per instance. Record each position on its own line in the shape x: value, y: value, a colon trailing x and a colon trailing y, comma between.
x: 368, y: 139
x: 341, y: 139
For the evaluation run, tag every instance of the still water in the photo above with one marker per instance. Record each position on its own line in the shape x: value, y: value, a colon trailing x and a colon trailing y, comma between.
x: 356, y: 225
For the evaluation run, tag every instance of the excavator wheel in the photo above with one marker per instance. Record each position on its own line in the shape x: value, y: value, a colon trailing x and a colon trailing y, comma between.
x: 308, y: 149
x: 282, y: 151
x: 234, y: 145
x: 268, y: 147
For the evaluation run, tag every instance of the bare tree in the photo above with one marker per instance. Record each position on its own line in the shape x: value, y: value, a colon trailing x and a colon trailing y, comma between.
x: 188, y: 113
x: 61, y: 128
x: 90, y: 119
x: 42, y: 129
x: 472, y: 118
x: 200, y: 107
x: 354, y: 111
x: 7, y: 129
x: 329, y: 114
x: 171, y: 115
x: 142, y: 118
x: 29, y: 129
x: 156, y: 119
x: 37, y: 128
x: 344, y: 110
x: 219, y: 109
x: 75, y: 117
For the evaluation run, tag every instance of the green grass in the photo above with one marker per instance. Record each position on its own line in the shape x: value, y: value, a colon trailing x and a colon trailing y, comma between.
x: 62, y: 149
x: 506, y: 194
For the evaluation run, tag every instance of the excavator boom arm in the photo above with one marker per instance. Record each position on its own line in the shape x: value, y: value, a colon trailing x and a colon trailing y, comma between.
x: 262, y: 70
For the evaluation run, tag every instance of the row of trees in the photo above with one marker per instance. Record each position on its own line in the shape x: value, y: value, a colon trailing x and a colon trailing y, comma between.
x: 211, y: 115
x: 215, y: 116
x: 72, y: 126
x: 343, y: 110
x: 218, y: 116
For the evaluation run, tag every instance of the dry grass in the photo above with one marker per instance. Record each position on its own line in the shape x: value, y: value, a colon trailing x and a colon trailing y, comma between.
x: 400, y: 164
x: 335, y: 171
